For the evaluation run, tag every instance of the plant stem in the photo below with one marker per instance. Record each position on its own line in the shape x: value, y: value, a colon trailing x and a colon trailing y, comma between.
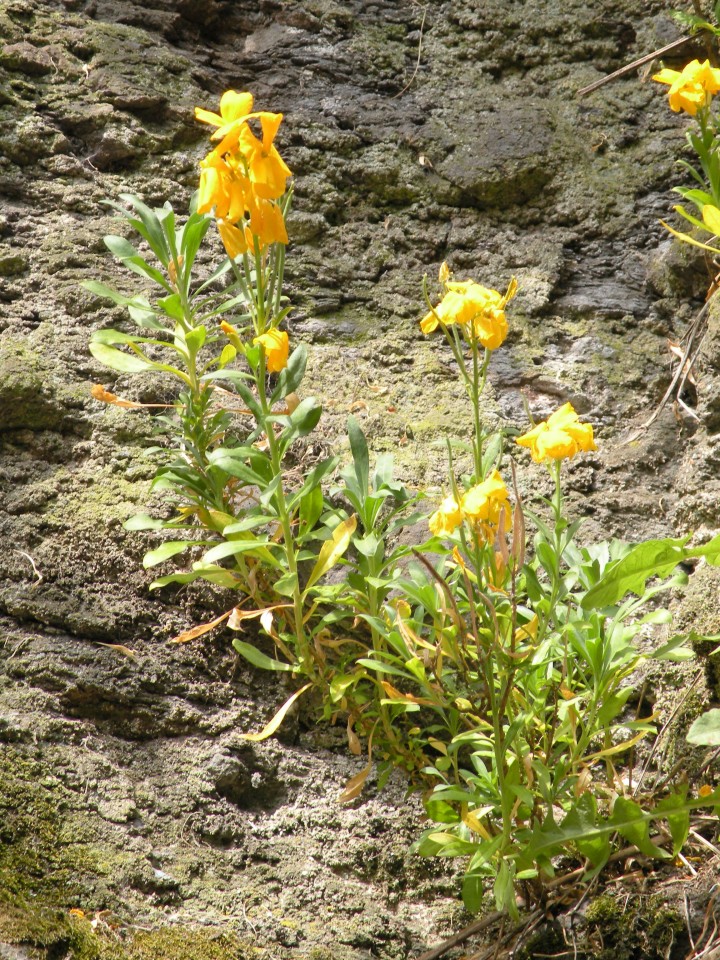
x: 285, y: 523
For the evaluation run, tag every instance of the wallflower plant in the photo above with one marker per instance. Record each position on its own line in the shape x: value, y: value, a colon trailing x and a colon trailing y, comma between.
x: 492, y: 668
x: 692, y: 91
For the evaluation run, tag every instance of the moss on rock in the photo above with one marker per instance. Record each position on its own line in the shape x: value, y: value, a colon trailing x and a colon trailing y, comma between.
x: 634, y: 929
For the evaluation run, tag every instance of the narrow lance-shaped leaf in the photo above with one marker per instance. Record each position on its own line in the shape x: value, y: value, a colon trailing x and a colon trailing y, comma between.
x: 167, y: 550
x: 258, y: 659
x: 354, y: 786
x: 629, y: 575
x: 200, y: 629
x: 276, y: 721
x: 361, y: 455
x: 332, y: 550
x: 117, y: 360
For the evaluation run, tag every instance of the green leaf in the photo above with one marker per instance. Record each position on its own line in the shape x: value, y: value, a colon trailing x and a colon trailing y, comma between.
x: 311, y: 508
x: 192, y: 236
x: 120, y: 247
x: 217, y: 575
x: 332, y: 550
x: 142, y: 521
x: 547, y: 557
x: 167, y: 550
x: 653, y: 558
x: 240, y: 382
x: 675, y: 650
x: 172, y: 306
x: 312, y: 480
x: 301, y: 421
x: 369, y: 546
x: 247, y: 523
x: 234, y: 464
x: 259, y: 659
x: 381, y: 667
x: 195, y: 338
x: 117, y: 360
x: 677, y: 815
x: 361, y: 455
x: 144, y: 317
x: 582, y: 819
x: 472, y: 892
x: 108, y: 335
x: 442, y: 812
x: 231, y: 548
x: 148, y: 227
x: 710, y: 550
x: 291, y: 377
x: 227, y: 356
x: 633, y: 823
x: 705, y: 731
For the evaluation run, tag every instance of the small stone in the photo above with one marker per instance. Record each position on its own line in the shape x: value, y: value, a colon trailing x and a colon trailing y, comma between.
x: 12, y: 264
x: 25, y: 58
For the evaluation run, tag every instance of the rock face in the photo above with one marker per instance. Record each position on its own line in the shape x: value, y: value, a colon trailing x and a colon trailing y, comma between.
x: 416, y: 134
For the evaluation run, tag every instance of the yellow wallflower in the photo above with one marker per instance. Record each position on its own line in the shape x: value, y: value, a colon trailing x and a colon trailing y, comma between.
x: 483, y: 503
x: 224, y: 186
x: 692, y: 88
x: 479, y: 310
x: 559, y: 437
x: 267, y: 222
x: 276, y: 346
x: 236, y: 239
x: 234, y: 106
x: 446, y: 518
x: 266, y: 168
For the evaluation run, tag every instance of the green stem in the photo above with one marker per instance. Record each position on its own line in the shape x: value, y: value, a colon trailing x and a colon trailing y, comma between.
x: 285, y: 523
x: 558, y: 528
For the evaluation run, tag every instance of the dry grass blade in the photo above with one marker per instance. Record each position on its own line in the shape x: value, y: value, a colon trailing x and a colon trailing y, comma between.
x: 201, y: 629
x: 354, y: 786
x: 687, y: 361
x: 628, y: 68
x: 120, y: 648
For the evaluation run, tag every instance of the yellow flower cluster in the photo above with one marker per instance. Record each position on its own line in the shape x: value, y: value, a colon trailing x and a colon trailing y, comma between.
x: 480, y: 506
x: 479, y: 311
x: 244, y: 176
x: 692, y: 88
x: 559, y: 437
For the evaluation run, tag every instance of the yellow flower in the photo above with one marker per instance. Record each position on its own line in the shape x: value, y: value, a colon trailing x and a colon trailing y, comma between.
x: 483, y: 503
x: 477, y: 309
x: 234, y: 107
x: 276, y: 345
x: 266, y: 168
x: 224, y: 186
x: 446, y: 518
x: 560, y: 436
x: 267, y: 222
x: 692, y: 88
x: 228, y: 329
x: 235, y: 238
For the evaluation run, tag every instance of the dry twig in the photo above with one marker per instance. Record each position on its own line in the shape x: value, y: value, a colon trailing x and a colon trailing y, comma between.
x: 633, y: 66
